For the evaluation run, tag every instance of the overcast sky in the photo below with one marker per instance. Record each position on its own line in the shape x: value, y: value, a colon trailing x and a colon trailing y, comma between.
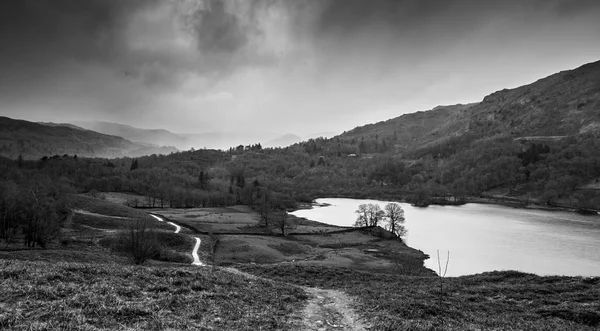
x: 297, y: 66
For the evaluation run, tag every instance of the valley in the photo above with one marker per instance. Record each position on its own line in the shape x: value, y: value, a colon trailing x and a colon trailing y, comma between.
x: 95, y: 226
x: 316, y: 278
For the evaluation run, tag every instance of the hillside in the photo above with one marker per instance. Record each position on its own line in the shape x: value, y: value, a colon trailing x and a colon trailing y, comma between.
x: 408, y: 130
x: 537, y: 143
x: 158, y: 137
x: 34, y: 140
x: 566, y: 103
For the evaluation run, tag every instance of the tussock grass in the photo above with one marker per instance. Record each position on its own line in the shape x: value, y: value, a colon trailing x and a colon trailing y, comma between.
x: 505, y: 300
x: 41, y: 295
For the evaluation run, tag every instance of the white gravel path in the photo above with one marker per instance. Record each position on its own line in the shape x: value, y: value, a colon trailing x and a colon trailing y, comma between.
x: 196, y: 247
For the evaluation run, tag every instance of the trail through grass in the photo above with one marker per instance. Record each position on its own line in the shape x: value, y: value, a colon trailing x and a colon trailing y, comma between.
x: 196, y: 261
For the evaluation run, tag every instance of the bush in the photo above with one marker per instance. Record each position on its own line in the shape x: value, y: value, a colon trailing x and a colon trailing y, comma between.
x: 139, y: 242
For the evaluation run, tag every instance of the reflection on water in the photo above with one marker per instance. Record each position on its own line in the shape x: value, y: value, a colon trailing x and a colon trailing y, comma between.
x: 488, y: 237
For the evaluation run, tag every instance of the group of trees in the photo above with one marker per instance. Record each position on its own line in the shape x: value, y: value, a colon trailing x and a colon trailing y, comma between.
x: 32, y: 207
x: 372, y: 215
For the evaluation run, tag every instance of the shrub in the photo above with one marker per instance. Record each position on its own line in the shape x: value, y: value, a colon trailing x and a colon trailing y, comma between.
x: 139, y: 242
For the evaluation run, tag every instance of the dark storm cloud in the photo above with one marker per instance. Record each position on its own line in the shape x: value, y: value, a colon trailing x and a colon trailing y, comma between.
x: 217, y: 30
x: 131, y: 37
x: 289, y: 60
x: 73, y: 28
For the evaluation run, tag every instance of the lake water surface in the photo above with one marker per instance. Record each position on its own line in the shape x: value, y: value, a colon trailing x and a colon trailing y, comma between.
x: 482, y: 237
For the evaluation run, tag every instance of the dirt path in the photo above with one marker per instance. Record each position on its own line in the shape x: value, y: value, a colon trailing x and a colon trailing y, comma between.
x: 196, y: 247
x: 195, y: 253
x: 329, y: 310
x: 84, y: 212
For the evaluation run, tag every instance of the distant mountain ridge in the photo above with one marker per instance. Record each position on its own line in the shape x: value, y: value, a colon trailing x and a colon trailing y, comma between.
x: 159, y: 137
x: 565, y: 103
x: 184, y: 141
x: 35, y: 140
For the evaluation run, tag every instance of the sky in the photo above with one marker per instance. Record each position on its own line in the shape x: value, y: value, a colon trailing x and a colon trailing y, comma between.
x: 295, y: 66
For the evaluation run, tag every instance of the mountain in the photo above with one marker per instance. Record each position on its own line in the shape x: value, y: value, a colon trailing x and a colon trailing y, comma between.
x: 34, y: 140
x: 184, y: 141
x: 566, y: 103
x: 158, y: 137
x: 69, y: 125
x: 535, y: 143
x: 408, y: 130
x: 563, y: 104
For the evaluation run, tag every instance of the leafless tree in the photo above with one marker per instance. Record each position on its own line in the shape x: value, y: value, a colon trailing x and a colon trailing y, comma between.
x: 394, y: 215
x: 140, y: 242
x: 283, y: 222
x: 368, y: 215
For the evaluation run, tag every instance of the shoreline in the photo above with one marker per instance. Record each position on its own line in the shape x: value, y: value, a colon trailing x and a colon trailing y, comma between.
x: 507, y: 202
x: 483, y: 201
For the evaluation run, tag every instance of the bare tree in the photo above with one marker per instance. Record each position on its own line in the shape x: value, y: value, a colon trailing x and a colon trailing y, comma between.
x: 140, y: 241
x: 394, y: 215
x: 283, y: 222
x: 265, y: 207
x: 362, y: 215
x: 368, y: 215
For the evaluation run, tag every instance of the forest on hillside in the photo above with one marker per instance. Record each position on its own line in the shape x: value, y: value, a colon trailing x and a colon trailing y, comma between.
x: 34, y: 195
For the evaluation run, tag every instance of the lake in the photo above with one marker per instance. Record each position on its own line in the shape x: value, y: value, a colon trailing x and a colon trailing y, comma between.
x: 484, y: 237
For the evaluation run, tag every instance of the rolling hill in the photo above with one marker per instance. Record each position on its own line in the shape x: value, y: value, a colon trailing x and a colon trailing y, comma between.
x: 34, y: 140
x: 566, y: 103
x: 159, y: 137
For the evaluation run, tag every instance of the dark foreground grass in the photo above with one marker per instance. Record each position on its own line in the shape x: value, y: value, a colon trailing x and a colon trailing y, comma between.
x: 490, y: 301
x: 75, y: 296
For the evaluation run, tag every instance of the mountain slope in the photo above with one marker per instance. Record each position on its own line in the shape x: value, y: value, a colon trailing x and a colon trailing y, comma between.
x: 159, y: 137
x: 566, y: 103
x: 407, y: 130
x: 34, y: 140
x: 535, y: 143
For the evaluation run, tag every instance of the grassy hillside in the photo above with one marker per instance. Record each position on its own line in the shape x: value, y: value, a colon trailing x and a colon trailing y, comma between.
x: 504, y: 300
x: 408, y: 130
x: 33, y: 141
x: 90, y: 296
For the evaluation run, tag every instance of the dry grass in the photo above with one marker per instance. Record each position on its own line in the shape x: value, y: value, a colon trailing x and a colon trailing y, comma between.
x: 75, y: 296
x: 491, y: 301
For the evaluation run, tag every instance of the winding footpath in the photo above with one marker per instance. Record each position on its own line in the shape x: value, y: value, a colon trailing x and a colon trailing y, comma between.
x: 326, y: 310
x: 196, y: 247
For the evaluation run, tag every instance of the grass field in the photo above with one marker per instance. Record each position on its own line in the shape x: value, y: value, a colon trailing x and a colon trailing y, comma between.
x: 76, y: 296
x: 490, y: 301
